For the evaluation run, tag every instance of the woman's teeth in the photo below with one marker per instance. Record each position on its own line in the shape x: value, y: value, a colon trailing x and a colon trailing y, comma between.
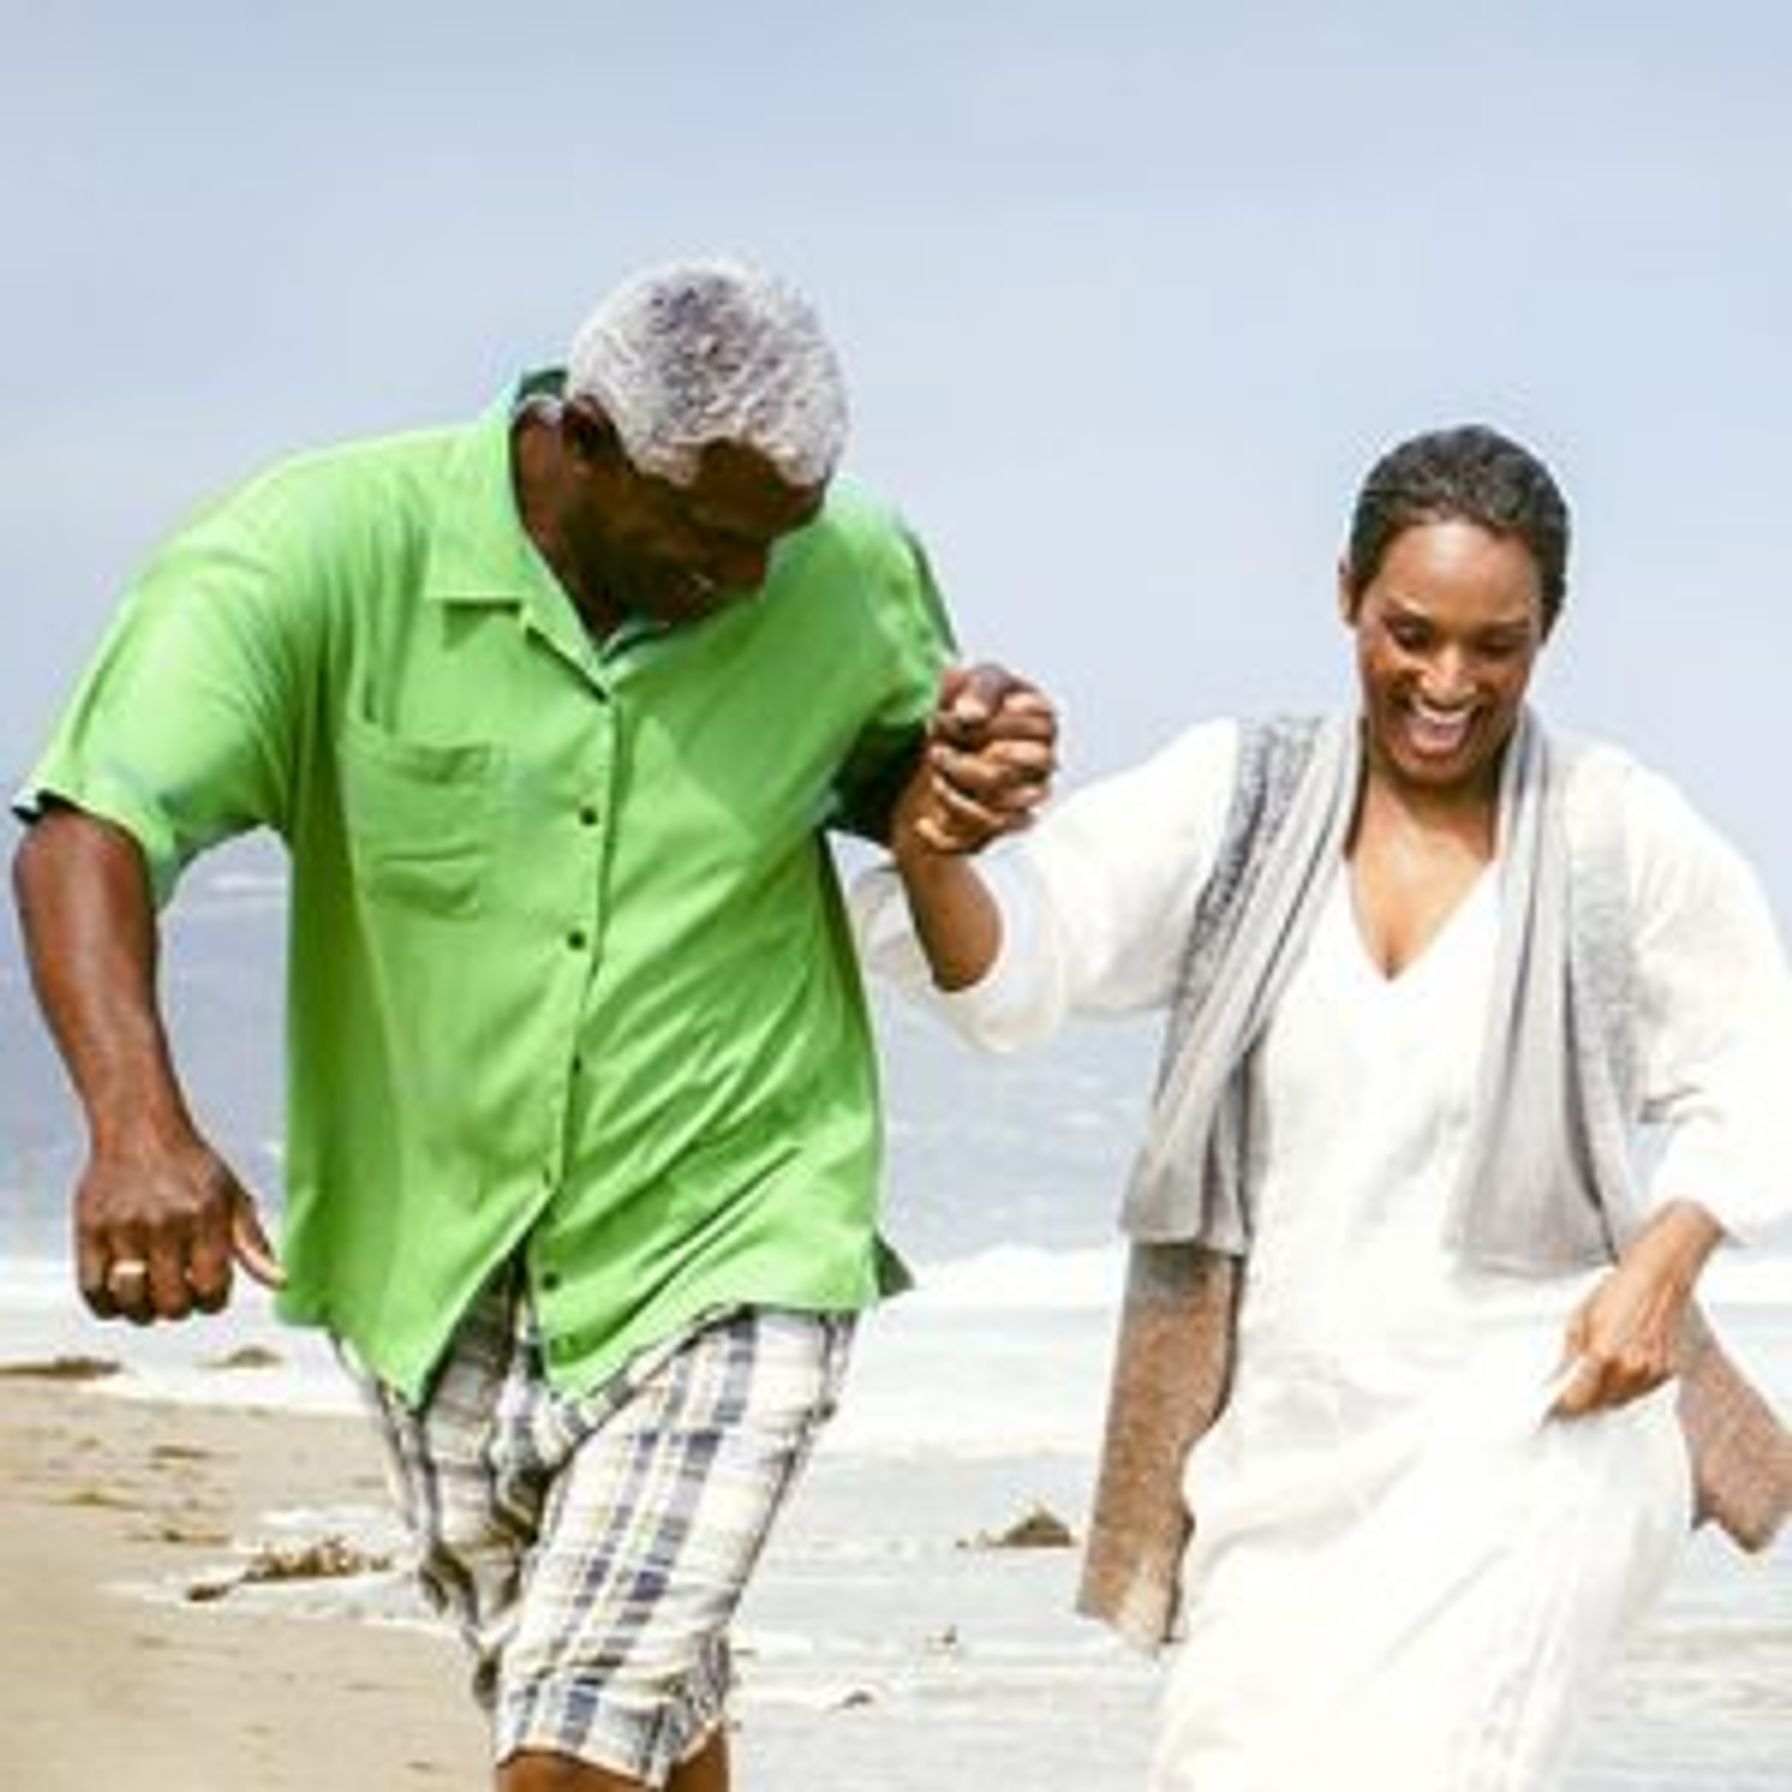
x: 1438, y: 730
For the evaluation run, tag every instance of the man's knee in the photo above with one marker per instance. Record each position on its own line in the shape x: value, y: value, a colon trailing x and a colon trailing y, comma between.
x: 534, y: 1770
x: 706, y: 1770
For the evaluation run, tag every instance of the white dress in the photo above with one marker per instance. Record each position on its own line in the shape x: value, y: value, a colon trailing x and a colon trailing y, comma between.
x: 1404, y: 1572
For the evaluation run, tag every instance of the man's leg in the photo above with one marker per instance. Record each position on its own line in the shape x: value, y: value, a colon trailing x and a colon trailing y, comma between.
x: 471, y: 1472
x: 706, y: 1771
x: 664, y: 1485
x: 470, y: 1526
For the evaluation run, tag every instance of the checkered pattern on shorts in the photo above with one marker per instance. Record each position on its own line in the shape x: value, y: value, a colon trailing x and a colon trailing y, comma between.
x: 593, y: 1550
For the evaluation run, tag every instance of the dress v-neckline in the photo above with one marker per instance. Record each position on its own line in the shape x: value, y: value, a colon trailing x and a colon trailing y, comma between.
x: 1451, y: 924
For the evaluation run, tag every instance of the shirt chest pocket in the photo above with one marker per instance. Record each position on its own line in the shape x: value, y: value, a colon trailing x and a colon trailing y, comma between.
x: 420, y: 818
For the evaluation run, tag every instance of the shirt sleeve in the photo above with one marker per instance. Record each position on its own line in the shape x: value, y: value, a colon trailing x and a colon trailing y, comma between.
x: 1095, y: 902
x: 182, y: 731
x: 1715, y: 1017
x: 917, y: 640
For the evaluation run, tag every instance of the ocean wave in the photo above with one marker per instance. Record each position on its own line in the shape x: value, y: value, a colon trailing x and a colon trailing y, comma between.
x: 1012, y: 1277
x: 1018, y: 1277
x: 997, y: 1352
x: 297, y: 1387
x: 1002, y: 1278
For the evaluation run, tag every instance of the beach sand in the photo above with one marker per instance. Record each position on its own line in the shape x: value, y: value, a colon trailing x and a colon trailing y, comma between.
x: 889, y: 1641
x: 111, y: 1511
x: 893, y: 1639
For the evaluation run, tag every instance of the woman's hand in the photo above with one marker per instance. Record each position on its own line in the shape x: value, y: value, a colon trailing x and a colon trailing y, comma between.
x: 1624, y: 1340
x: 991, y: 751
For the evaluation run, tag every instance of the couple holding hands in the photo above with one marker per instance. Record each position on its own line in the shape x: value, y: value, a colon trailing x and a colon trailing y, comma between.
x: 1477, y: 1038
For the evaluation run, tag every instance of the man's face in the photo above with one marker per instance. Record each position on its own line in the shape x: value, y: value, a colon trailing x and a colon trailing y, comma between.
x: 676, y: 553
x: 1447, y: 633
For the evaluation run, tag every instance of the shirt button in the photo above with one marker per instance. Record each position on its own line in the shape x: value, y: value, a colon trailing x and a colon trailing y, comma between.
x: 576, y: 939
x: 578, y: 1065
x: 550, y: 1281
x: 588, y: 816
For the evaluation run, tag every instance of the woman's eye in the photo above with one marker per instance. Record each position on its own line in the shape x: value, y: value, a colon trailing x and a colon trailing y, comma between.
x: 1502, y: 649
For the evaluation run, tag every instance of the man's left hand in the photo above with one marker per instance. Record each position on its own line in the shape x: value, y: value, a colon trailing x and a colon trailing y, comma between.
x: 991, y: 752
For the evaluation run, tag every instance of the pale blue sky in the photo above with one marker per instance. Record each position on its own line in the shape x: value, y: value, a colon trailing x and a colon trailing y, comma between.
x: 1129, y: 294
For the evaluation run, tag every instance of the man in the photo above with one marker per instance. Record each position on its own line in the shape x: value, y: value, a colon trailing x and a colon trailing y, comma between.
x: 551, y: 712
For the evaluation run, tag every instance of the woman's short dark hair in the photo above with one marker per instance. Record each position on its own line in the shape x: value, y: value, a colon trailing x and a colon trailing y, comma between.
x: 1467, y: 474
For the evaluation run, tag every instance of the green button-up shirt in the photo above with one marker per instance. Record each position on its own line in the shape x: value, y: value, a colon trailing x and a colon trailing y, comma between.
x: 569, y: 973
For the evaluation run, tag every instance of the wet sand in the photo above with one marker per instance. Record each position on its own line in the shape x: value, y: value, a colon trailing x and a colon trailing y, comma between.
x: 171, y: 1620
x: 102, y: 1500
x: 164, y: 1624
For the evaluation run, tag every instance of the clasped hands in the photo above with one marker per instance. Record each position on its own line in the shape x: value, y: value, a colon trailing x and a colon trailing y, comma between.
x: 986, y: 767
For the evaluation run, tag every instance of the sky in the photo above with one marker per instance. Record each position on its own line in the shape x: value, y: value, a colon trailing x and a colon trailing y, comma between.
x: 1129, y: 297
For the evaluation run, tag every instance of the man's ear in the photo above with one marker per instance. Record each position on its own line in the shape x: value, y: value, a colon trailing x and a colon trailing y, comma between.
x: 1348, y: 597
x: 589, y: 434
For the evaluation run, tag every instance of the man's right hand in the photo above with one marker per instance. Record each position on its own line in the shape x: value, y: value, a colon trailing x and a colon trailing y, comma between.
x: 161, y: 1223
x: 160, y: 1231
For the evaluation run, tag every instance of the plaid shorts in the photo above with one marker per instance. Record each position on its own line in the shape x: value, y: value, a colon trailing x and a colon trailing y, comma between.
x: 593, y: 1549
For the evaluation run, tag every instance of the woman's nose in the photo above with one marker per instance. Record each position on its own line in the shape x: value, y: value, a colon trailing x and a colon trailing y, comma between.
x: 1446, y: 677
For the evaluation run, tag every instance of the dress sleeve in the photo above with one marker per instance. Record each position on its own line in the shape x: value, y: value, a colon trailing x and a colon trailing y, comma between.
x: 183, y: 730
x: 1715, y: 1017
x: 1095, y: 901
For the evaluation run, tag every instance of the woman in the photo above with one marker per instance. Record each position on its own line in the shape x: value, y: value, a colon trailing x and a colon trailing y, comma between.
x: 1399, y: 1265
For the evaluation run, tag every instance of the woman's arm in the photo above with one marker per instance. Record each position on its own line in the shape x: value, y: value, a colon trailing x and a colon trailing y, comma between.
x: 1714, y: 1031
x: 1624, y: 1340
x: 1713, y: 1016
x: 1087, y: 913
x: 988, y: 766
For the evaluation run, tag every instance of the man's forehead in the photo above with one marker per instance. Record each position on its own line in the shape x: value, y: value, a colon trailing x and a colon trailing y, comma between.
x: 734, y: 478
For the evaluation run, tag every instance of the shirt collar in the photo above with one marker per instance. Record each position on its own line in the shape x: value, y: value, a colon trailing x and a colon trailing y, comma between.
x: 479, y: 551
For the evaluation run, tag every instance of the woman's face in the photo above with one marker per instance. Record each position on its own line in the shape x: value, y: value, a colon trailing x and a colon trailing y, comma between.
x: 1446, y: 635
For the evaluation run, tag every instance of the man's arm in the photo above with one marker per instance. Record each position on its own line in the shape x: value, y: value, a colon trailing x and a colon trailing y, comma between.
x: 988, y: 764
x: 159, y: 1216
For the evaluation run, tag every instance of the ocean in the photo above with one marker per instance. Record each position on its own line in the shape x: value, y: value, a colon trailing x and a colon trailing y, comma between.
x: 974, y: 1398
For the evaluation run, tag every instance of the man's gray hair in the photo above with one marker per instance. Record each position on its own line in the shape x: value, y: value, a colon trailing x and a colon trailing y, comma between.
x: 713, y: 351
